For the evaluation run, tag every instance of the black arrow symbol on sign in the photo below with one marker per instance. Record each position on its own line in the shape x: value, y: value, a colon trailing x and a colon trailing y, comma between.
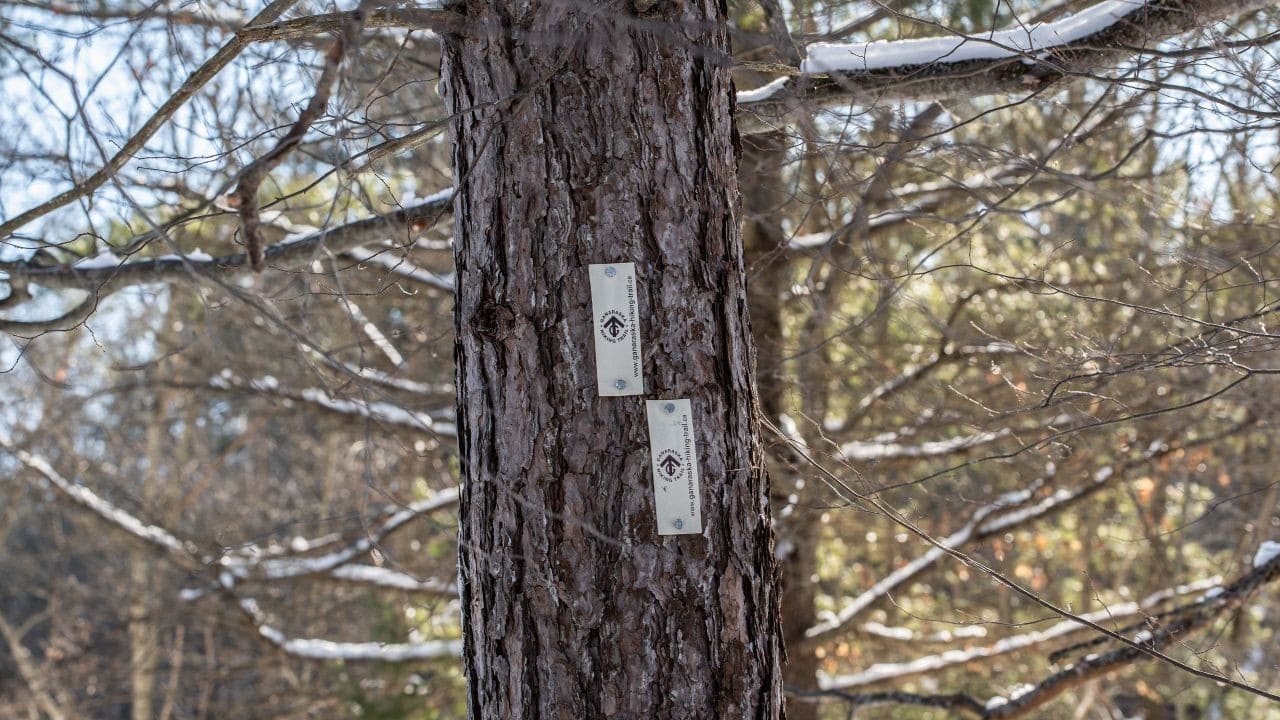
x: 669, y: 464
x: 613, y: 325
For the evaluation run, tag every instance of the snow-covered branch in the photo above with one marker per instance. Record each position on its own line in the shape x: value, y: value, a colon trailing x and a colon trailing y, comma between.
x: 372, y: 331
x: 106, y: 273
x: 394, y: 580
x: 889, y: 448
x: 250, y: 562
x: 1173, y: 627
x: 1022, y: 42
x: 400, y: 267
x: 915, y: 372
x: 314, y: 649
x: 1170, y: 630
x: 1007, y: 512
x: 377, y: 376
x: 377, y: 411
x: 105, y: 510
x: 381, y: 412
x: 845, y: 617
x: 1020, y: 59
x: 894, y: 672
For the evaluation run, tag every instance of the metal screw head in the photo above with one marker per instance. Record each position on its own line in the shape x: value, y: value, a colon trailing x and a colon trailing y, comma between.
x: 610, y: 271
x: 620, y: 383
x: 679, y: 524
x: 669, y: 407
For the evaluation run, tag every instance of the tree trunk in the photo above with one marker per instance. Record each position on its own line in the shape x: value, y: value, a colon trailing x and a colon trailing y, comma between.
x: 589, y: 134
x: 144, y: 631
x: 798, y: 527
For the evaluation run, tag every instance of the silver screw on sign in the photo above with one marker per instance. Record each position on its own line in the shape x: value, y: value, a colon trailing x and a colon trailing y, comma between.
x: 610, y: 271
x: 620, y: 383
x: 679, y: 524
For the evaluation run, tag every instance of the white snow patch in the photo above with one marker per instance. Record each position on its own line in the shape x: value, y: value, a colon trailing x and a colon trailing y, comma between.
x: 995, y: 45
x: 1267, y: 552
x: 895, y: 633
x: 104, y: 259
x: 1021, y: 690
x: 379, y: 411
x: 762, y: 93
x: 383, y: 652
x: 784, y: 548
x: 437, y: 197
x: 388, y: 578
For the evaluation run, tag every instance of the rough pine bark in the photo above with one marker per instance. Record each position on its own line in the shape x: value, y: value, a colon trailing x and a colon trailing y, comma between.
x: 588, y: 133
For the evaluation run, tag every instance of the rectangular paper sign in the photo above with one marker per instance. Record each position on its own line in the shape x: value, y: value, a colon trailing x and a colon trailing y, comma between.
x: 613, y: 302
x: 677, y: 492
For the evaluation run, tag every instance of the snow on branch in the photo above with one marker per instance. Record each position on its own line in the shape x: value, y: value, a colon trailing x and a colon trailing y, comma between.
x: 106, y: 273
x: 382, y: 412
x: 1267, y: 552
x: 1005, y: 44
x: 104, y: 509
x: 376, y: 411
x: 890, y: 449
x: 894, y: 672
x: 1007, y: 512
x: 377, y: 376
x: 314, y: 649
x: 1172, y: 627
x: 400, y: 267
x: 362, y: 651
x: 762, y: 93
x: 248, y: 562
x: 902, y: 634
x: 394, y: 580
x: 1020, y: 59
x: 898, y: 577
x: 372, y: 331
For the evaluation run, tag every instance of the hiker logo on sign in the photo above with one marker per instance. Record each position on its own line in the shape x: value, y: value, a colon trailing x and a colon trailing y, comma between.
x: 669, y: 465
x: 613, y: 326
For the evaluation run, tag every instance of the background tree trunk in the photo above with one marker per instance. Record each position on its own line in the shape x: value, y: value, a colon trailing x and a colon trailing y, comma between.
x: 144, y: 631
x: 798, y: 525
x: 586, y: 135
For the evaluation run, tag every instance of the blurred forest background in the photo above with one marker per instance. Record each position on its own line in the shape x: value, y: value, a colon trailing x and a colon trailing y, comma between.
x: 1039, y: 324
